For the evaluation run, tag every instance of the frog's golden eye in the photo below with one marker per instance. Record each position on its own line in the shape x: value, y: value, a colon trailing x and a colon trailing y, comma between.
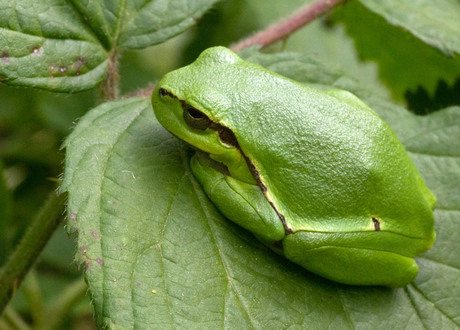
x: 195, y: 118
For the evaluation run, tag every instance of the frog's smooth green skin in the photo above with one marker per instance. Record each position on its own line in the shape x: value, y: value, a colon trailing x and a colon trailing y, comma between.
x: 317, y: 176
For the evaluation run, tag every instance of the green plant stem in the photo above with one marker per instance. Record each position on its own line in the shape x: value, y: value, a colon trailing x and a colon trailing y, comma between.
x: 30, y: 246
x: 59, y: 310
x: 13, y: 320
x: 33, y: 296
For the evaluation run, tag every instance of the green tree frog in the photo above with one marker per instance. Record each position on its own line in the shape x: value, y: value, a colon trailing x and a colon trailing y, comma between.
x: 317, y: 176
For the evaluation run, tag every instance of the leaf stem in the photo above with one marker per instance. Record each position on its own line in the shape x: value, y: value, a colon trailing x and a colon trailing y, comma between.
x: 30, y: 246
x: 110, y: 87
x: 286, y: 26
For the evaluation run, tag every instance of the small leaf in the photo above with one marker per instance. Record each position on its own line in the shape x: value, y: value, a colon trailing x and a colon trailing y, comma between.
x: 158, y: 254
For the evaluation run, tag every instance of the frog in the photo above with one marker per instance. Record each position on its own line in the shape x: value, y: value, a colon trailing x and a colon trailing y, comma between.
x: 316, y: 175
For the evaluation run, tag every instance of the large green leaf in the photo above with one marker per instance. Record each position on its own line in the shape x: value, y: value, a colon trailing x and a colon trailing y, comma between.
x: 421, y: 53
x: 64, y: 45
x: 158, y: 255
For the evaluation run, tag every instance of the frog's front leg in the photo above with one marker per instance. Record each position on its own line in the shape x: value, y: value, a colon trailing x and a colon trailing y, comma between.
x: 239, y: 201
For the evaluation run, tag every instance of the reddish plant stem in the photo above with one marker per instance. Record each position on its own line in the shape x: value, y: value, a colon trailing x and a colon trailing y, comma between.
x: 275, y: 32
x: 285, y: 27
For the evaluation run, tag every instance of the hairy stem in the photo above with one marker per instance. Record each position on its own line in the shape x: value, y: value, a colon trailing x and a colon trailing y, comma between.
x: 30, y: 246
x: 285, y: 27
x: 110, y: 88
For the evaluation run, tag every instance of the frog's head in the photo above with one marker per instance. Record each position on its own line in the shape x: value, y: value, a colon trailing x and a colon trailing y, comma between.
x: 192, y: 104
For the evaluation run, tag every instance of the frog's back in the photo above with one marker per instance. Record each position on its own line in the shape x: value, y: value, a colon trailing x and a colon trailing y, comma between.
x: 323, y: 156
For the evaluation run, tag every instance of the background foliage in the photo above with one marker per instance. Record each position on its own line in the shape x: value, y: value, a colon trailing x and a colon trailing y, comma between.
x: 72, y: 46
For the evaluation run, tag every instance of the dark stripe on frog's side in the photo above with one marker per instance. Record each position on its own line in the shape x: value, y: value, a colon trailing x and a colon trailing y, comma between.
x: 228, y: 137
x: 262, y: 186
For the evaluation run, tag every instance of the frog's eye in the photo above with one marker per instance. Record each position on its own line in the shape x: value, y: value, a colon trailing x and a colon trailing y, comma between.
x: 195, y: 118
